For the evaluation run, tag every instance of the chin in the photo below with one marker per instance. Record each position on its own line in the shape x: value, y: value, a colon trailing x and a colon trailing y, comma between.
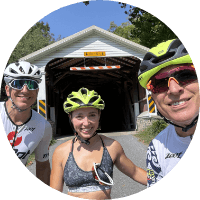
x: 22, y: 106
x: 85, y: 135
x: 184, y: 121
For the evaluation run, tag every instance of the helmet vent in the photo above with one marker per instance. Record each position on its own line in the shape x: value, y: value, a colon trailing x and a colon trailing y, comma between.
x: 163, y: 58
x: 70, y: 96
x: 21, y: 69
x: 37, y: 73
x: 13, y: 71
x: 76, y: 100
x: 83, y: 91
x: 68, y: 105
x: 30, y: 70
x: 101, y: 102
x: 93, y: 99
x: 17, y: 63
x: 184, y: 50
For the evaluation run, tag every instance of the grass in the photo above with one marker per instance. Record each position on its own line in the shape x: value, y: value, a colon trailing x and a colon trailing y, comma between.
x: 151, y: 131
x: 32, y: 156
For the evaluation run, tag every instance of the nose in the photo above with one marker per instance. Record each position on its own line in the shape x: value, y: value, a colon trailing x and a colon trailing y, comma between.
x: 174, y: 86
x: 86, y: 121
x: 25, y: 89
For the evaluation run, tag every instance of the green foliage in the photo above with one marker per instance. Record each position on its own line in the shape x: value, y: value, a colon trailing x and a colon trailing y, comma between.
x: 37, y: 37
x: 86, y: 2
x: 156, y: 127
x: 53, y: 141
x: 124, y: 30
x: 149, y: 29
x: 151, y: 131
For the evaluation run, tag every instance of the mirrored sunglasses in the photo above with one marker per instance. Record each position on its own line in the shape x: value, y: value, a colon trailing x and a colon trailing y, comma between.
x: 18, y: 84
x: 181, y: 75
x: 97, y: 170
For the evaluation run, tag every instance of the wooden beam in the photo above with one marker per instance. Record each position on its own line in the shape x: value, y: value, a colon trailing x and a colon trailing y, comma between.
x: 132, y: 116
x: 55, y: 82
x: 66, y: 87
x: 125, y: 76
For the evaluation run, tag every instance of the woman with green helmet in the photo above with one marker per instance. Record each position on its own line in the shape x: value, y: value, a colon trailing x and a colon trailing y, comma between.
x: 86, y: 162
x: 168, y: 72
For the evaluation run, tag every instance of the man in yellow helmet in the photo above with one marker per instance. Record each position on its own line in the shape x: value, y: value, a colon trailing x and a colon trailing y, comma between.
x: 168, y: 72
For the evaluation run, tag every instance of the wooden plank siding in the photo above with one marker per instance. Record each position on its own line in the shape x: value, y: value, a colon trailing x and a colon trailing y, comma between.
x: 92, y: 43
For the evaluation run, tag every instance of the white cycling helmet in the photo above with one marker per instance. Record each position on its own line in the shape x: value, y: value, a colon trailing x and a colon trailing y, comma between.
x: 22, y: 69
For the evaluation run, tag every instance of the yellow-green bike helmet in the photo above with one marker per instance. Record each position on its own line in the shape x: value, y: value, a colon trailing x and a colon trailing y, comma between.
x: 171, y: 52
x: 82, y: 99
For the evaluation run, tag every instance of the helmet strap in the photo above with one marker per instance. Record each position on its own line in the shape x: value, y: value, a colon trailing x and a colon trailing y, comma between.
x: 15, y: 107
x: 87, y: 142
x: 184, y: 129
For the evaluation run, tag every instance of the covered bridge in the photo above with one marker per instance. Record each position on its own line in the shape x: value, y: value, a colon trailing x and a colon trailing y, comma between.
x: 100, y: 61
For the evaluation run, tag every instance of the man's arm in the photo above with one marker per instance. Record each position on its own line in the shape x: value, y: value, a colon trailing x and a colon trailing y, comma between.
x: 43, y: 171
x: 154, y: 172
x: 127, y: 167
x: 42, y: 156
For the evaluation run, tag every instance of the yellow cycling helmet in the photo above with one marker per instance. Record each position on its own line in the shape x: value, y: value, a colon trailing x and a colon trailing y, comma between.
x: 171, y: 52
x: 82, y: 99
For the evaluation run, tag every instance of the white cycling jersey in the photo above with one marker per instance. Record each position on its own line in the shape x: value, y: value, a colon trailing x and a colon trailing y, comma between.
x: 163, y: 153
x: 34, y: 135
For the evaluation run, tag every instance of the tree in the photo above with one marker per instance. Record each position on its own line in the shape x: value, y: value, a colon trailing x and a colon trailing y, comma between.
x: 124, y: 30
x: 149, y: 29
x: 86, y: 2
x: 37, y: 37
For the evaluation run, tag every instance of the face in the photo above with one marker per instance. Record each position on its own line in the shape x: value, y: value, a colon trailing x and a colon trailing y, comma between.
x: 22, y: 98
x: 180, y: 104
x: 85, y: 121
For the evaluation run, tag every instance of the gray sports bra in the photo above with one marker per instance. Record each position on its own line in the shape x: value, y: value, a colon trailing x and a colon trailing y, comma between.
x: 79, y: 180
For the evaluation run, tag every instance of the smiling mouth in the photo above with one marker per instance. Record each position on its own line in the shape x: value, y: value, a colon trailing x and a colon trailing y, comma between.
x: 178, y: 102
x: 22, y: 97
x: 86, y: 130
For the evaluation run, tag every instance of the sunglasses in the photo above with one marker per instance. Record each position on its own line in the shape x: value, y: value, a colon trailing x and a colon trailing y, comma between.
x: 18, y: 84
x: 96, y: 171
x: 181, y: 75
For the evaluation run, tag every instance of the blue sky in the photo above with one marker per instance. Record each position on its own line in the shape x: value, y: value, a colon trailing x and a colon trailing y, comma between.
x: 74, y: 18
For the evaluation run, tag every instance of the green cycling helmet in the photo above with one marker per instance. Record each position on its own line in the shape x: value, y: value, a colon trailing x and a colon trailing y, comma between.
x: 82, y: 99
x: 171, y: 52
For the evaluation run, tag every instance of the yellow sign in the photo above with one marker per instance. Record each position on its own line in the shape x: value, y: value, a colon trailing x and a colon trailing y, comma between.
x: 95, y: 53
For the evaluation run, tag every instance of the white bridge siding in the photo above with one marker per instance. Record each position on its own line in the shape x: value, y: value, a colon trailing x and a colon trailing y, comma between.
x: 92, y: 43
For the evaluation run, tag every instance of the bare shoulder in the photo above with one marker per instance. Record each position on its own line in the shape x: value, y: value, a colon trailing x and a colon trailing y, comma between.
x: 63, y: 150
x: 114, y: 147
x: 109, y: 142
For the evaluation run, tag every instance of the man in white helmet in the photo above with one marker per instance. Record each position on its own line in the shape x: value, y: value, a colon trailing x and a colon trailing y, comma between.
x: 26, y: 130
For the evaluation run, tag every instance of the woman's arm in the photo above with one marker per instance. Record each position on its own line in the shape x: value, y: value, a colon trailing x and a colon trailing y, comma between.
x: 127, y: 167
x: 56, y: 178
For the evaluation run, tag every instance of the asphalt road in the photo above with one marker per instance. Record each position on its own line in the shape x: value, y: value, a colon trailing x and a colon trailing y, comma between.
x: 123, y: 185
